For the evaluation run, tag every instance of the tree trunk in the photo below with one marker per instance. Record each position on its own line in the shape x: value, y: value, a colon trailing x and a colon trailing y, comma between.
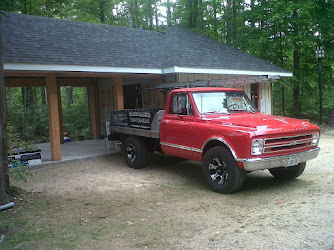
x: 4, y: 180
x: 134, y: 17
x: 43, y: 97
x: 195, y: 13
x: 282, y: 62
x: 190, y: 17
x: 296, y: 67
x: 69, y: 94
x: 25, y: 9
x: 234, y: 23
x: 156, y: 16
x: 28, y: 96
x: 169, y: 14
x: 228, y: 22
x: 215, y: 16
x: 252, y: 10
x: 150, y: 14
x: 102, y: 4
x: 200, y: 14
x: 296, y: 92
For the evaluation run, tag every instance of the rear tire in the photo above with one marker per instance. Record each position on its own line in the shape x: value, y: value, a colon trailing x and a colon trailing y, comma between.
x: 221, y: 172
x: 136, y: 153
x: 289, y: 173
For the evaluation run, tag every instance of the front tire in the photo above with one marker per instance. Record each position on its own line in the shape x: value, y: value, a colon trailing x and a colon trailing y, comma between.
x: 136, y: 153
x: 221, y: 172
x: 289, y: 173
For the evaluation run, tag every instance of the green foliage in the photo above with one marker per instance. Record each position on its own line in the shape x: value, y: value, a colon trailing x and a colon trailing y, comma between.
x: 283, y: 32
x: 15, y: 141
x: 28, y: 117
x: 76, y: 115
x: 29, y: 121
x: 19, y: 173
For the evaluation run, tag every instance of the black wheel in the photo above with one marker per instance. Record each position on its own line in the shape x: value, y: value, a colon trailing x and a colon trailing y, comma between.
x: 221, y: 171
x: 136, y: 153
x: 289, y: 173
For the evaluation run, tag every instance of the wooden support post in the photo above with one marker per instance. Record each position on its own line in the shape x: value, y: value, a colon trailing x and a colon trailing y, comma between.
x: 118, y: 93
x: 53, y: 111
x: 61, y: 120
x: 160, y: 94
x: 94, y: 109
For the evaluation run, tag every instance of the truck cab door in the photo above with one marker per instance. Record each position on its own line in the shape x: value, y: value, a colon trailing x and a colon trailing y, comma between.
x: 176, y: 132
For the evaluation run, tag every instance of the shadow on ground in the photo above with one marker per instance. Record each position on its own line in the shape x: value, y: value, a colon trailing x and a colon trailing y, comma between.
x: 191, y: 174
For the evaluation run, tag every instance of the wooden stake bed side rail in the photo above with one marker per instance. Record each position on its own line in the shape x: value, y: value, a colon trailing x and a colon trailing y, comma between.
x: 135, y: 131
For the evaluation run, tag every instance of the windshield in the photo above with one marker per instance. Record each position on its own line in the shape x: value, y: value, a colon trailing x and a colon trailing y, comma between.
x: 223, y: 102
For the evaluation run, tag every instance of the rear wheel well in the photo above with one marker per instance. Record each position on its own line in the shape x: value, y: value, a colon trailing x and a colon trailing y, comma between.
x: 152, y: 144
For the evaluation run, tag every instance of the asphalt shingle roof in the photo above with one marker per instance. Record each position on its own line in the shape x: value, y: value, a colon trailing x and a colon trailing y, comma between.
x: 40, y: 40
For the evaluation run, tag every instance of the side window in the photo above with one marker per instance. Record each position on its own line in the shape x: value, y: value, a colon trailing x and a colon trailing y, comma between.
x: 180, y: 105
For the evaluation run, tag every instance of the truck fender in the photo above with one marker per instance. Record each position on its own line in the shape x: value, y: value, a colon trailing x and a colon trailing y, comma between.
x: 211, y: 140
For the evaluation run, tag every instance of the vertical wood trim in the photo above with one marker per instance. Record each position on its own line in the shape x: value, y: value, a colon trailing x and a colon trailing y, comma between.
x: 118, y: 93
x: 260, y: 96
x: 159, y: 94
x: 265, y: 98
x: 53, y: 112
x: 94, y: 109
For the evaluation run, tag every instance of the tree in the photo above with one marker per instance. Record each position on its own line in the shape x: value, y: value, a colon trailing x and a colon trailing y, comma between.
x: 4, y: 181
x: 284, y: 32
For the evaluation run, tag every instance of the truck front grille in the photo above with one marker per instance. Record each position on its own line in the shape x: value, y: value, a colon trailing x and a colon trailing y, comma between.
x: 287, y: 143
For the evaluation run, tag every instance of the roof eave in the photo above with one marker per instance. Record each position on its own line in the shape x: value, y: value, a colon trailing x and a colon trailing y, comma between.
x: 107, y: 69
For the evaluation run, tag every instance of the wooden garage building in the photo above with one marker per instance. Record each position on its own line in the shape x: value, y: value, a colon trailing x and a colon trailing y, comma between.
x: 112, y: 61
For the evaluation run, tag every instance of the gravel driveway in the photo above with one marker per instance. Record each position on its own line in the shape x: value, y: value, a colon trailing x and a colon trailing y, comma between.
x: 168, y: 205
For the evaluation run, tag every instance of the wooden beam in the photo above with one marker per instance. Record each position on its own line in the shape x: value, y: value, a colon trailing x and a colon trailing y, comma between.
x: 160, y: 94
x: 94, y: 109
x: 105, y: 75
x: 24, y: 74
x: 118, y: 93
x: 53, y: 110
x: 24, y: 82
x: 74, y: 81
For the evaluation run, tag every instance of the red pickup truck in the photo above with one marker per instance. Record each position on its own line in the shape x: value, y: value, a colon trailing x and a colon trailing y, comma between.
x: 221, y: 128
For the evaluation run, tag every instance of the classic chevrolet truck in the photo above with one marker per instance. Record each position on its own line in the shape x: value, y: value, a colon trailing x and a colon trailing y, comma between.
x: 221, y: 128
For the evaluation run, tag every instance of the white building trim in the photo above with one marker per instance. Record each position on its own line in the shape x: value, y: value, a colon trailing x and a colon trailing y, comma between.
x: 106, y: 69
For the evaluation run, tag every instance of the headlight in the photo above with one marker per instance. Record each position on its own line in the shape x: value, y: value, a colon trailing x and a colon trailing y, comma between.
x: 315, y: 139
x: 257, y: 147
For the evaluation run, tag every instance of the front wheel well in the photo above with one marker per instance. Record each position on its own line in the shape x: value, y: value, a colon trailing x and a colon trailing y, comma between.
x: 213, y: 143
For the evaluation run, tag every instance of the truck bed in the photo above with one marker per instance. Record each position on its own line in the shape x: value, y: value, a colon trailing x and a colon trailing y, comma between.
x: 144, y: 123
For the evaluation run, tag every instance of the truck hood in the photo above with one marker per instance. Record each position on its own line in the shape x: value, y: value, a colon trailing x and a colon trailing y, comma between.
x: 263, y: 124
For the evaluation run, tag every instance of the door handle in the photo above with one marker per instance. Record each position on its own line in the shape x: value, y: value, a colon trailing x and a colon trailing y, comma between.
x: 165, y: 122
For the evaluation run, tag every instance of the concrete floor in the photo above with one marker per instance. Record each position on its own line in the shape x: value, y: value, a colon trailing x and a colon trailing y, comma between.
x: 73, y: 151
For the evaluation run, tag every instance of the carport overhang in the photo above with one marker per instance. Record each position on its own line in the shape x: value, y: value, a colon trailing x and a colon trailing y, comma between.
x: 52, y: 77
x: 24, y: 67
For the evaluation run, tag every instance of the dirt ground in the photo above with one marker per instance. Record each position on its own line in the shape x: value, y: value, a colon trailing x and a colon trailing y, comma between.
x: 103, y: 204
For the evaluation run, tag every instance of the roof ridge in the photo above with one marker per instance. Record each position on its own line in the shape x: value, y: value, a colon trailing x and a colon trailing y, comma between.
x: 76, y: 21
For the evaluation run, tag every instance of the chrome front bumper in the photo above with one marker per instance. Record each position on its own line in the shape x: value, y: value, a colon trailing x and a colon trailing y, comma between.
x: 278, y: 161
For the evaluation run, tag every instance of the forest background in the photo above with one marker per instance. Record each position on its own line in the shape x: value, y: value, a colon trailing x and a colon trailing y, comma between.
x: 283, y: 32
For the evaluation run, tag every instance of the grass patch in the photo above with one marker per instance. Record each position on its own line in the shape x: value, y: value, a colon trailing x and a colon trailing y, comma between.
x: 55, y: 222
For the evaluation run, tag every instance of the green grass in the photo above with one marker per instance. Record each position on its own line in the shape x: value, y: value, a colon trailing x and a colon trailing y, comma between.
x: 52, y: 222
